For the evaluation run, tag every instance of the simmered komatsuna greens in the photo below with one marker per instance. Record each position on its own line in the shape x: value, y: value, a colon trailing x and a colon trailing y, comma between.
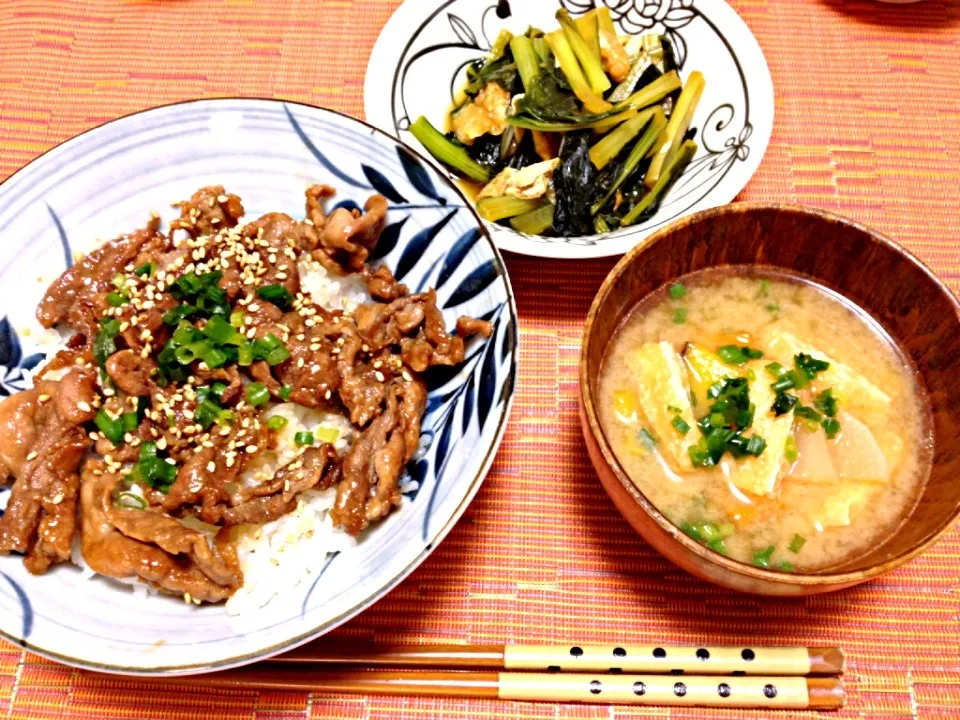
x: 571, y: 132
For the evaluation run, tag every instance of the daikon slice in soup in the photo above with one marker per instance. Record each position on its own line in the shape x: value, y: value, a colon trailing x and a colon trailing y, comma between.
x: 766, y: 417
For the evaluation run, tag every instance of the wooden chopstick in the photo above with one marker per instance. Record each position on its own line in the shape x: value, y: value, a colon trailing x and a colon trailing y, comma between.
x: 703, y: 660
x: 821, y: 693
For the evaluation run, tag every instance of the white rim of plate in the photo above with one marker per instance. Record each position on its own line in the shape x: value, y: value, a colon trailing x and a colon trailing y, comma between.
x: 399, y: 35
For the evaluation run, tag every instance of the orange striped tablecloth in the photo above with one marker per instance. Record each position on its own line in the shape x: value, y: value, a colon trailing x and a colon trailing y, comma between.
x: 868, y: 124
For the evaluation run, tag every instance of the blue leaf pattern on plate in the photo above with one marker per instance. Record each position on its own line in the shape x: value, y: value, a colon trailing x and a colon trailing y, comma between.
x: 388, y: 239
x: 488, y: 383
x: 26, y: 610
x: 64, y: 242
x: 10, y: 353
x: 418, y: 176
x: 472, y: 285
x: 382, y: 185
x: 456, y: 255
x: 321, y: 158
x: 326, y: 566
x: 468, y: 396
x: 418, y: 245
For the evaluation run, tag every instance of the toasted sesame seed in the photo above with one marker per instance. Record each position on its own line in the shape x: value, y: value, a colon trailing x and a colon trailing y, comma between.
x: 407, y: 377
x: 251, y: 449
x: 186, y: 598
x: 221, y: 198
x: 379, y: 376
x: 84, y: 405
x: 32, y: 455
x: 211, y: 466
x: 57, y: 499
x: 43, y: 398
x: 230, y: 461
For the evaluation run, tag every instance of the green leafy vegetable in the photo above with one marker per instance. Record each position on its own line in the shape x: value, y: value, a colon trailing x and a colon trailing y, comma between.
x: 445, y: 151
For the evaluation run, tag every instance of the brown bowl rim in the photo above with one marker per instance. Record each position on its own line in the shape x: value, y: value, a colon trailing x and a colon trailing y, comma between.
x: 735, y: 566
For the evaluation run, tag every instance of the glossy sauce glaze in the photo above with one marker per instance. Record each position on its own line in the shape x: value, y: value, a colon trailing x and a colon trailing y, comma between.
x: 826, y: 487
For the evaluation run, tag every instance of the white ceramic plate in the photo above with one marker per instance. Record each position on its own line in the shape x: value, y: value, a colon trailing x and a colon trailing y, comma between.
x: 107, y: 181
x: 422, y: 53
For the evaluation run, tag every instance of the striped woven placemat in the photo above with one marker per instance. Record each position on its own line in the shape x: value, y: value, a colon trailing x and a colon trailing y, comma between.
x: 868, y: 125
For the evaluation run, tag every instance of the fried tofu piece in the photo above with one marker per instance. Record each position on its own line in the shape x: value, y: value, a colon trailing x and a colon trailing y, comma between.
x: 662, y: 391
x: 705, y: 368
x: 758, y: 475
x: 852, y: 388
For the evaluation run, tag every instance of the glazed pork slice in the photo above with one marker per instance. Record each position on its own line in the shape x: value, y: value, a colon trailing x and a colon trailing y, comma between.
x: 125, y: 543
x: 42, y: 441
x: 74, y: 297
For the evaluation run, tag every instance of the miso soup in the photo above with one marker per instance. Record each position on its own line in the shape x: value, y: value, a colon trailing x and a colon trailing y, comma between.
x: 767, y: 418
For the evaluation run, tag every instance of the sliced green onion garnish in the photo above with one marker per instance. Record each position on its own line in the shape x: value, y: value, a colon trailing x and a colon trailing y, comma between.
x: 797, y: 543
x: 649, y: 441
x: 679, y: 316
x: 130, y: 501
x: 277, y: 294
x: 277, y: 422
x: 809, y: 365
x: 681, y: 425
x: 112, y: 428
x: 762, y: 559
x: 807, y: 413
x: 303, y: 438
x: 785, y: 566
x: 206, y: 413
x: 130, y: 422
x: 277, y: 356
x: 222, y: 332
x: 285, y: 392
x: 119, y: 282
x: 678, y: 290
x: 257, y: 394
x: 115, y: 299
x: 826, y: 403
x: 831, y: 426
x: 214, y: 358
x: 145, y: 269
x: 775, y: 369
x: 245, y: 355
x: 733, y: 355
x: 236, y: 318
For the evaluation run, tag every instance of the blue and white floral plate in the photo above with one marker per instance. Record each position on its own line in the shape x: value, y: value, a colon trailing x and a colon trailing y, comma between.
x: 421, y: 57
x: 106, y: 182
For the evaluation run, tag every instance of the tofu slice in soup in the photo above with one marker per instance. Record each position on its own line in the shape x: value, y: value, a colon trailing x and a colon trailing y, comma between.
x: 662, y: 391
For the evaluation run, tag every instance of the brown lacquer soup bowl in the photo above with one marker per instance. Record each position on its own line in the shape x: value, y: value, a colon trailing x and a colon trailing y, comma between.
x: 916, y: 311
